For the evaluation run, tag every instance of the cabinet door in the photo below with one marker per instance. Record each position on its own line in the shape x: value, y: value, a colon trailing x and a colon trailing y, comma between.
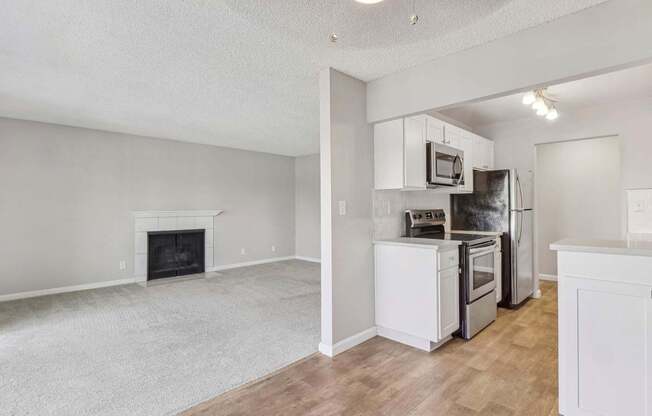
x: 478, y: 151
x: 453, y: 136
x: 481, y: 149
x: 604, y: 348
x: 434, y: 130
x: 406, y: 290
x: 388, y: 155
x: 415, y: 153
x: 448, y: 302
x: 490, y: 154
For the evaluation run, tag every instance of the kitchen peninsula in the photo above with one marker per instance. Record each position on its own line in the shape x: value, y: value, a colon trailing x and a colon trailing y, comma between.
x: 605, y: 327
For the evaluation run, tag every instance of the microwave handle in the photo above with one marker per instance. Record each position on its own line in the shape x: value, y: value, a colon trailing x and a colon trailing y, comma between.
x: 461, y: 179
x: 430, y: 162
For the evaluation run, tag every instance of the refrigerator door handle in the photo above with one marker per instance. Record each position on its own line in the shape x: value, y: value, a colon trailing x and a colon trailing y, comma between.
x: 520, y: 191
x: 520, y: 228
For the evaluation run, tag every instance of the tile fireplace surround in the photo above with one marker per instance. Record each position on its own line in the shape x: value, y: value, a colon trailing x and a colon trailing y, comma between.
x: 145, y: 221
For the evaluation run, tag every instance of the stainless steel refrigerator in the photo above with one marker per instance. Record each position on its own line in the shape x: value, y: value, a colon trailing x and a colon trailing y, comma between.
x: 498, y: 204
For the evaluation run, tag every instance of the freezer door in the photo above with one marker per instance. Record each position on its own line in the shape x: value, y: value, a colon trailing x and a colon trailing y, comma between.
x: 522, y: 255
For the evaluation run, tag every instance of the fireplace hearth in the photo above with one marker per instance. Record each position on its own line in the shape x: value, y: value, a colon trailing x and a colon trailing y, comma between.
x: 175, y: 253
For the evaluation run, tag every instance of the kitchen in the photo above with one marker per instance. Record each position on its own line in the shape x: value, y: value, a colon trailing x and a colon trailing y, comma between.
x: 486, y: 240
x: 443, y: 208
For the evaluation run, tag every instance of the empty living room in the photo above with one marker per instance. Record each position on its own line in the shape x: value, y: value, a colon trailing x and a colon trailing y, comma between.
x: 328, y: 207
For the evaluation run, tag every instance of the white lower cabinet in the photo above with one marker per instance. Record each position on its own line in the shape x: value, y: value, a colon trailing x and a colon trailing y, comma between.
x: 605, y: 337
x: 448, y: 301
x: 416, y: 303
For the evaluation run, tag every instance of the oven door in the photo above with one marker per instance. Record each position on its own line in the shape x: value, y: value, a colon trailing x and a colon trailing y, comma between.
x: 482, y: 270
x: 445, y: 165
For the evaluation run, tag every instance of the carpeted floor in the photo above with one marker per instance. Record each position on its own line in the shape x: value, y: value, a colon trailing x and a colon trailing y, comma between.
x: 156, y: 350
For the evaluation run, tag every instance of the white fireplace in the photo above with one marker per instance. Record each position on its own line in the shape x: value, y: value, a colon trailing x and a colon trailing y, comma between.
x: 145, y: 221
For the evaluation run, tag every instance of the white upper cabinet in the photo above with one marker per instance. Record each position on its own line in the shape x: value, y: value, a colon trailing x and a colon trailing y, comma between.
x: 453, y: 136
x: 483, y: 155
x: 415, y: 152
x: 490, y: 154
x: 400, y: 154
x: 434, y: 130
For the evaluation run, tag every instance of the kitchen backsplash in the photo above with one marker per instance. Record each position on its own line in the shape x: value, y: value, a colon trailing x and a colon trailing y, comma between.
x: 390, y: 206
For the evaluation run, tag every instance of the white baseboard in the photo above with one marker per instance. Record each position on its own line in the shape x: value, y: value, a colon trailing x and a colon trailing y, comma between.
x: 65, y: 289
x: 310, y: 259
x: 548, y: 277
x: 407, y: 339
x: 348, y: 343
x: 138, y: 279
x: 248, y: 263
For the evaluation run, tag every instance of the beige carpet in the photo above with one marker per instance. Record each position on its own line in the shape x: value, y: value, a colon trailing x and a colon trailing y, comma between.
x: 132, y: 350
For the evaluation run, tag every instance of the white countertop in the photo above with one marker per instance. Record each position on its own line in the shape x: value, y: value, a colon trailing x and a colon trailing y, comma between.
x: 420, y: 243
x: 622, y: 247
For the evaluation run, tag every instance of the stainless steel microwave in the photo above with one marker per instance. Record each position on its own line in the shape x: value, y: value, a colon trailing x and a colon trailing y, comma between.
x: 445, y: 165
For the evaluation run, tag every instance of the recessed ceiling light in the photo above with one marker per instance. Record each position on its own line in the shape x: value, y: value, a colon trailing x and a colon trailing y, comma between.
x: 368, y: 1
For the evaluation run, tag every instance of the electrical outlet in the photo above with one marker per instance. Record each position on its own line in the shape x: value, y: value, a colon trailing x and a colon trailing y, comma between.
x: 243, y: 251
x: 273, y: 249
x: 123, y: 265
x: 342, y: 207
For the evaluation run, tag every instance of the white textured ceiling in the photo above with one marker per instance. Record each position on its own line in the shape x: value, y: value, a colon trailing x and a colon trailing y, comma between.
x: 624, y: 85
x: 236, y: 73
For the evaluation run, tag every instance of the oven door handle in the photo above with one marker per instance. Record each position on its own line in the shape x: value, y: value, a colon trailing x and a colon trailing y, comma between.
x: 491, y: 244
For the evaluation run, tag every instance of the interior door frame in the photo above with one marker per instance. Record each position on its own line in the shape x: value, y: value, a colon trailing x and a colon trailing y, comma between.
x: 535, y: 199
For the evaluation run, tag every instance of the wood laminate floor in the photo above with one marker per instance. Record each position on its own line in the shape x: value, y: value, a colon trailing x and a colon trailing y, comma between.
x: 508, y: 369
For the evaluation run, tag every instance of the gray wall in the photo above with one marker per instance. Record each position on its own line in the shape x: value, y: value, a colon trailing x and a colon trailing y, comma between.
x: 306, y: 208
x: 577, y: 194
x: 346, y: 149
x: 631, y: 121
x: 66, y: 195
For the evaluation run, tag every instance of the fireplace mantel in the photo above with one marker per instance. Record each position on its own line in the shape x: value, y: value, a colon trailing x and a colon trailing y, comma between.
x: 145, y: 221
x: 192, y: 213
